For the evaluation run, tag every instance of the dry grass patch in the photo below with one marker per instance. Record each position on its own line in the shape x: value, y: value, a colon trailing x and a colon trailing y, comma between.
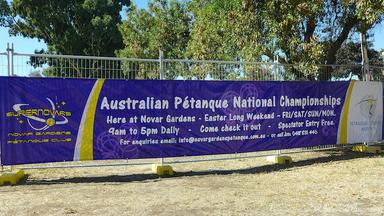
x: 320, y: 183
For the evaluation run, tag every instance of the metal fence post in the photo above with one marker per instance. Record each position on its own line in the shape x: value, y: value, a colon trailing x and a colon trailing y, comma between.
x: 1, y: 143
x: 365, y: 63
x: 366, y: 78
x: 161, y: 64
x: 1, y: 157
x: 12, y: 64
x: 10, y: 70
x: 276, y: 67
x: 10, y: 53
x: 8, y: 60
x: 161, y: 69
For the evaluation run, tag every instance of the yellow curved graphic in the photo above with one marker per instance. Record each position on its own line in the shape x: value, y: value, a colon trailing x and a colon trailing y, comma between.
x: 84, y: 142
x: 343, y: 132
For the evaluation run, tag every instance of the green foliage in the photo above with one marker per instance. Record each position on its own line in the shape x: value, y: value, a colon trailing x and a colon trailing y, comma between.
x: 77, y: 27
x: 350, y: 54
x: 303, y: 33
x: 165, y: 26
x: 369, y: 12
x: 4, y: 13
x: 300, y: 31
x: 227, y: 30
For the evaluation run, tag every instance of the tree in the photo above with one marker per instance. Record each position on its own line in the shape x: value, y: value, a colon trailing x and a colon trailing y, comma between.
x: 300, y: 32
x: 227, y: 30
x: 75, y: 27
x: 350, y: 54
x: 4, y: 13
x: 164, y: 26
x: 231, y: 31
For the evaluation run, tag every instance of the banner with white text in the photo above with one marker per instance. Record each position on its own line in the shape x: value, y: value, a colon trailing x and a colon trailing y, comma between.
x: 53, y: 120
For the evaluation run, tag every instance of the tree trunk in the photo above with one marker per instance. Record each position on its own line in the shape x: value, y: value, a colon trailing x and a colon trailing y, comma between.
x: 367, y: 76
x: 335, y: 46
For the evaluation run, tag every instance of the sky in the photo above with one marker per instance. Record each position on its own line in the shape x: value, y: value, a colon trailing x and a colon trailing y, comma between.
x: 28, y: 45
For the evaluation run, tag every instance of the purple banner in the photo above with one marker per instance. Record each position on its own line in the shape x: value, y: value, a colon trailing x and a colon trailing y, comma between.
x: 52, y: 120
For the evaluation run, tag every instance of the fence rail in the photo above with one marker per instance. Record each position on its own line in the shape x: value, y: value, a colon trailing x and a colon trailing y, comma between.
x: 70, y: 66
x: 127, y: 68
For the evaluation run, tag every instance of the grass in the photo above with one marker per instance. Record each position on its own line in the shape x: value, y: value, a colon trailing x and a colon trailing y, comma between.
x: 317, y: 183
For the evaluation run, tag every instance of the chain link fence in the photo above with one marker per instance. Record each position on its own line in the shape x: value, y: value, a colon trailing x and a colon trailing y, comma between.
x: 66, y: 66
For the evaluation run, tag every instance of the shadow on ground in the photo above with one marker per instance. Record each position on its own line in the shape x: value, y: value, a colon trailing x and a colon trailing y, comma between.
x: 333, y: 156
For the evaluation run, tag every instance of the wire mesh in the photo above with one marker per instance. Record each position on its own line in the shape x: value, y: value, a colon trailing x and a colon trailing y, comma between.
x: 84, y: 67
x: 3, y: 64
x: 131, y: 68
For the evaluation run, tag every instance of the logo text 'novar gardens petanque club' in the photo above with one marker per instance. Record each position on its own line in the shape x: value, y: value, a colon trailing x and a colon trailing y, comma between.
x: 40, y: 118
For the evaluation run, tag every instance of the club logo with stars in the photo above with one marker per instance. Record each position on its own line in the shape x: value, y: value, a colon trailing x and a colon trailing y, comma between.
x: 368, y: 106
x: 40, y: 119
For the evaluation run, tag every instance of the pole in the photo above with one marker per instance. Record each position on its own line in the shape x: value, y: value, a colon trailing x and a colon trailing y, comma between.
x: 10, y: 54
x: 9, y: 74
x: 276, y: 65
x: 8, y: 60
x: 1, y: 157
x: 161, y: 64
x: 161, y: 68
x: 12, y: 64
x: 367, y: 76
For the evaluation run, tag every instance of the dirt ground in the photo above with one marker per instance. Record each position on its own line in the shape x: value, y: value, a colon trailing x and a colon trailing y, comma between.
x: 320, y: 183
